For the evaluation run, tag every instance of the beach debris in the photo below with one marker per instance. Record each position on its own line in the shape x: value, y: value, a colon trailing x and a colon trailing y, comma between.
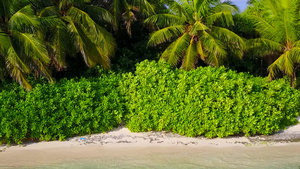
x: 82, y: 138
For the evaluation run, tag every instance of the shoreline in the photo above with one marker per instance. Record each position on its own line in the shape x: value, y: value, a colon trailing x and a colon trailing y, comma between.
x: 121, y: 141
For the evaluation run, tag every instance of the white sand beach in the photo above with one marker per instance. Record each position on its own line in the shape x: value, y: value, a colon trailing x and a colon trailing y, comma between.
x: 121, y: 141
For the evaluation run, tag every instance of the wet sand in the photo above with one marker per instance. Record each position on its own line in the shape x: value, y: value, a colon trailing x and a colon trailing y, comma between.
x: 152, y: 156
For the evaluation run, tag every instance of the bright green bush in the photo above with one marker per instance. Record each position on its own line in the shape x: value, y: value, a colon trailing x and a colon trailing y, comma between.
x: 60, y: 110
x: 214, y: 102
x: 207, y: 101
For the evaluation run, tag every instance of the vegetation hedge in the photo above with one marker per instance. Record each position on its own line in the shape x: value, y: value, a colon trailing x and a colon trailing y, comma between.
x: 60, y: 110
x: 214, y: 102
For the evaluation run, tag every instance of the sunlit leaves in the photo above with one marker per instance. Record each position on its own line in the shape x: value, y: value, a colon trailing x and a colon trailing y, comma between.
x: 214, y: 102
x: 61, y: 110
x: 278, y: 25
x: 199, y: 19
x: 166, y: 34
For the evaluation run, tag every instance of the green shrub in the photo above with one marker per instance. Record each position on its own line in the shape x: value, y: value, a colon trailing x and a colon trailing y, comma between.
x: 214, y: 102
x: 61, y: 110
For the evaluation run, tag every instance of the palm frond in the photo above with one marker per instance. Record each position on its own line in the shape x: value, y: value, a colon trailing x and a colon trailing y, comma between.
x: 163, y: 20
x: 214, y: 48
x: 200, y: 51
x: 78, y: 40
x: 295, y: 56
x: 23, y: 19
x: 262, y: 26
x: 204, y: 6
x: 36, y: 50
x: 81, y: 17
x: 225, y: 6
x: 198, y: 26
x: 233, y: 41
x: 224, y: 16
x: 271, y: 8
x: 94, y: 53
x: 144, y: 6
x: 13, y: 60
x: 283, y: 63
x: 5, y: 6
x: 32, y: 46
x: 297, y: 43
x: 280, y: 27
x: 60, y: 46
x: 263, y: 47
x: 4, y: 43
x: 175, y: 51
x: 91, y: 52
x: 105, y: 40
x: 129, y: 17
x: 100, y: 14
x: 290, y: 26
x: 179, y: 9
x: 166, y: 34
x: 49, y: 11
x: 17, y: 68
x: 190, y: 56
x: 117, y: 7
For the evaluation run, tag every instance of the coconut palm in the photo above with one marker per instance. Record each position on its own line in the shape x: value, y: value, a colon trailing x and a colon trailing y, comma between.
x: 125, y: 11
x: 71, y: 26
x: 21, y: 52
x: 278, y: 26
x: 197, y: 30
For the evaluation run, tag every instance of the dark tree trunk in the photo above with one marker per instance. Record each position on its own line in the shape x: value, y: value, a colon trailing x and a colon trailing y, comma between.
x: 293, y: 81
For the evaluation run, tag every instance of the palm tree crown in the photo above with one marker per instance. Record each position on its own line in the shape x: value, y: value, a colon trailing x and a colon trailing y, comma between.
x: 196, y: 30
x: 74, y: 25
x: 125, y: 11
x: 21, y: 51
x: 278, y: 26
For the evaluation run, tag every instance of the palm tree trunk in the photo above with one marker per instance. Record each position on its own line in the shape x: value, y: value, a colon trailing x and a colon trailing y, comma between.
x: 293, y: 81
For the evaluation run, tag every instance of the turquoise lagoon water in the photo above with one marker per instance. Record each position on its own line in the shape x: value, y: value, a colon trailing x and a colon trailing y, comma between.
x: 268, y: 157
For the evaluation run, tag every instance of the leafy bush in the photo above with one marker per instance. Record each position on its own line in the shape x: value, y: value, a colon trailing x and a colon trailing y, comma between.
x: 207, y: 101
x: 60, y: 110
x: 214, y: 102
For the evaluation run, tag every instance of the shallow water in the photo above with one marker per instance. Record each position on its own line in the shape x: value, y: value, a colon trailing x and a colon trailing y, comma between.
x: 268, y: 157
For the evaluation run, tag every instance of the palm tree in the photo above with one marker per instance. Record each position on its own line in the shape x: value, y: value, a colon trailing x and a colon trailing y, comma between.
x: 71, y: 26
x: 278, y: 26
x: 126, y: 10
x: 21, y: 51
x: 196, y: 30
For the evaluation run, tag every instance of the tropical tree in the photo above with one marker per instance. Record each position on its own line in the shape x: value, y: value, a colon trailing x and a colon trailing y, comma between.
x: 21, y: 51
x: 125, y: 11
x: 278, y: 26
x: 71, y: 26
x: 196, y: 30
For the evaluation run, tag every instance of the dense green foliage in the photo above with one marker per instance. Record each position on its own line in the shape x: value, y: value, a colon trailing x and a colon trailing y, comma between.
x: 279, y: 35
x: 21, y: 52
x: 207, y: 101
x: 42, y: 38
x: 197, y: 31
x: 57, y: 111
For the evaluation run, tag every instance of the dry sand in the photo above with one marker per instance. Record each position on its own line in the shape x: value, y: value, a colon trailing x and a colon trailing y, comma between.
x: 121, y: 140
